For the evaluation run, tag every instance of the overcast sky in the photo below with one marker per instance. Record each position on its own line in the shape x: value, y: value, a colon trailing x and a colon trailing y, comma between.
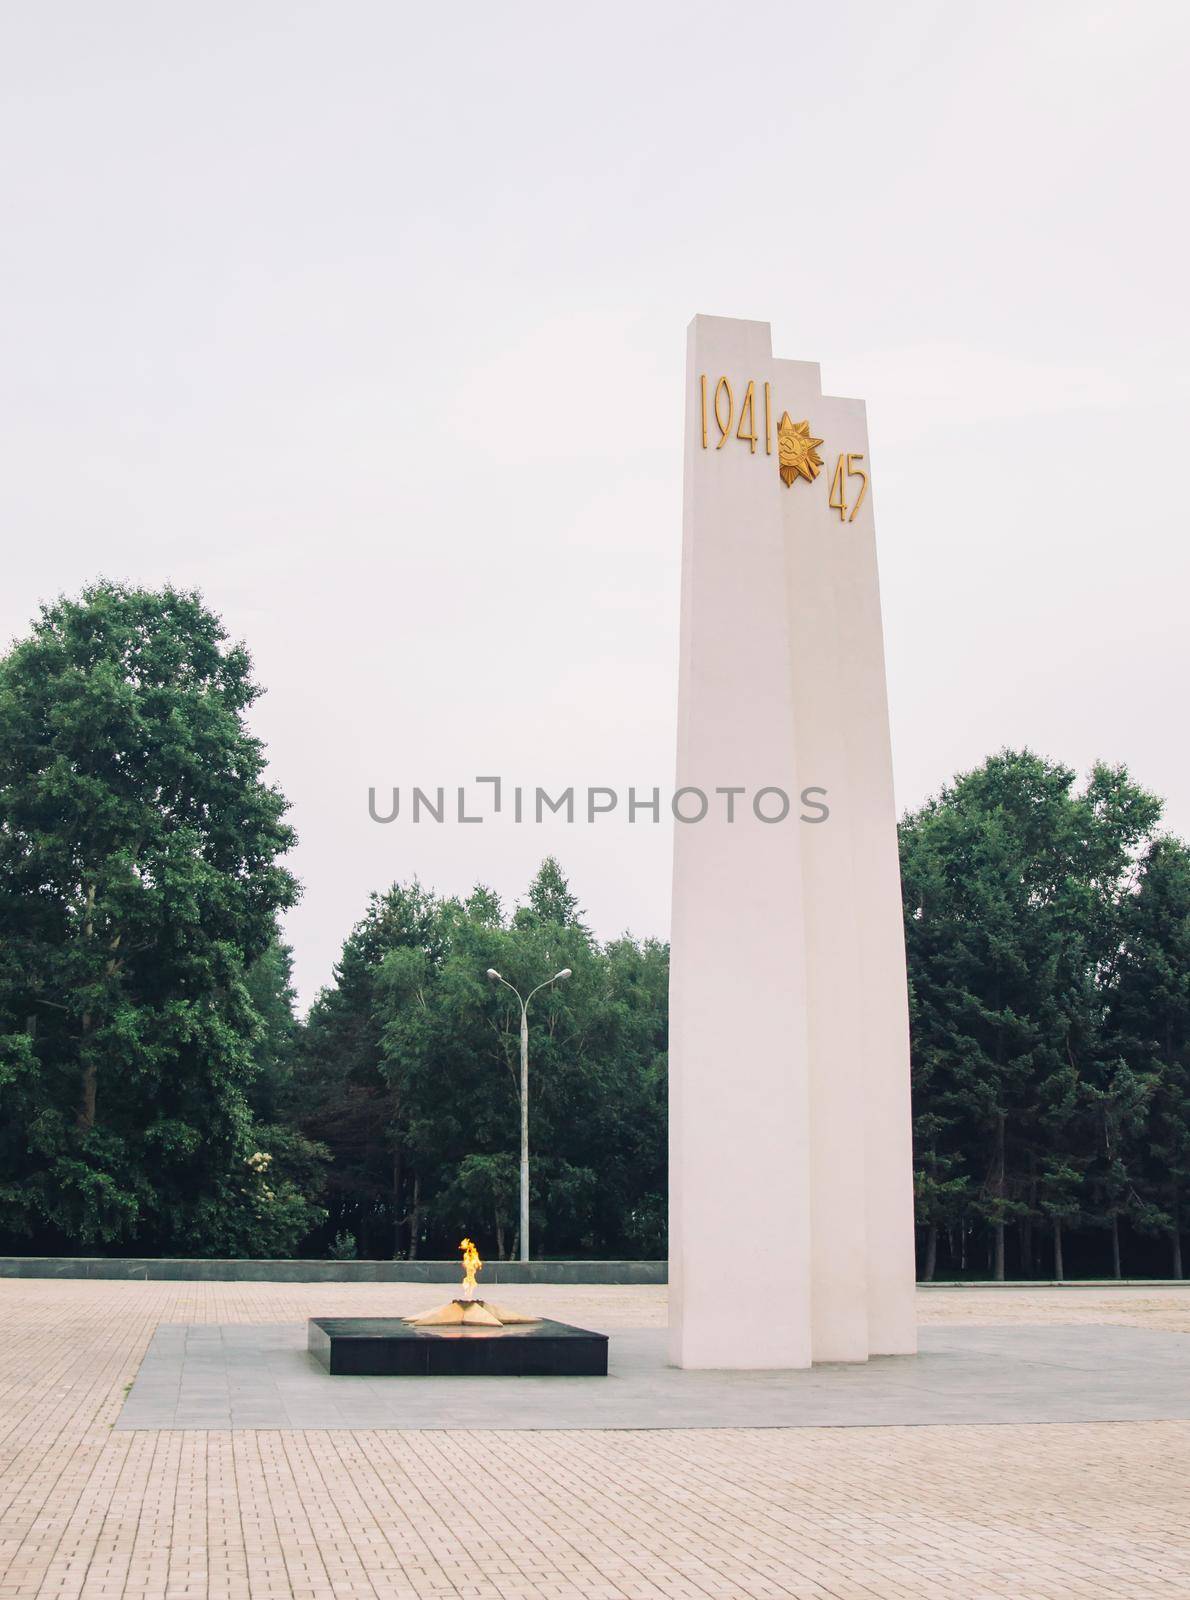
x: 369, y: 320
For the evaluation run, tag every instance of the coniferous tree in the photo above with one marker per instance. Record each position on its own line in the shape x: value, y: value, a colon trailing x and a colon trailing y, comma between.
x: 1016, y: 887
x: 1151, y: 1021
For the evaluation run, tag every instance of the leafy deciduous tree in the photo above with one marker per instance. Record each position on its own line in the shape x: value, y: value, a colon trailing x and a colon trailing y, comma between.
x: 139, y: 882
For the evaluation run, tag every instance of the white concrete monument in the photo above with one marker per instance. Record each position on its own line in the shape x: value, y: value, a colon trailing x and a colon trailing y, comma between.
x: 791, y: 1207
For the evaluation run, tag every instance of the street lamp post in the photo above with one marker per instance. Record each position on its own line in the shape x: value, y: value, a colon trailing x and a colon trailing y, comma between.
x: 495, y: 977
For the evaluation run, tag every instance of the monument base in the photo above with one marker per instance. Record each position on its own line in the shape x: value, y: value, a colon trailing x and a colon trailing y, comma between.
x: 375, y: 1347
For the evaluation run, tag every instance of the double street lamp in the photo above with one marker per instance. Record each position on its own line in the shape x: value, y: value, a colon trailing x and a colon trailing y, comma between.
x: 495, y: 977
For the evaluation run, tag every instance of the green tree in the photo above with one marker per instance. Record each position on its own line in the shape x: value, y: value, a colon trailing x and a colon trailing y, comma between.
x: 549, y: 902
x: 139, y: 882
x: 1150, y: 1019
x: 941, y: 1188
x: 342, y: 1097
x: 1119, y: 1109
x: 410, y: 1069
x: 269, y: 982
x: 1016, y: 889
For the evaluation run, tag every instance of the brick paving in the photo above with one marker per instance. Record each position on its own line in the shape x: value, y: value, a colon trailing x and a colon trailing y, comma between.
x: 1021, y: 1512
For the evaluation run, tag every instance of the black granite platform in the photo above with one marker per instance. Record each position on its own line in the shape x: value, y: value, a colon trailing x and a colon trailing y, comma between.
x: 389, y: 1347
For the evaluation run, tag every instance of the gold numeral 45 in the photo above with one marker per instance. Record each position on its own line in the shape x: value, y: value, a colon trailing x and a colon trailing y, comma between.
x: 844, y: 469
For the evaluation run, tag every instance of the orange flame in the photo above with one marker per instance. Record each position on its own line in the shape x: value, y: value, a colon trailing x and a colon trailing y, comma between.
x: 471, y: 1265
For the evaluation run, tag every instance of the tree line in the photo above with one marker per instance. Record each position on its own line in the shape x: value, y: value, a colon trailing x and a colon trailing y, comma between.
x: 407, y: 1069
x: 1047, y: 930
x: 160, y: 1095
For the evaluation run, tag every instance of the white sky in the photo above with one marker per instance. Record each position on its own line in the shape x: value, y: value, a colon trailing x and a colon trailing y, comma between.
x: 369, y: 319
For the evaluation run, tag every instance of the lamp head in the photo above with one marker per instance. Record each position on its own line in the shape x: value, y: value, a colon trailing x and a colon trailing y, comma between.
x: 493, y: 975
x: 565, y: 973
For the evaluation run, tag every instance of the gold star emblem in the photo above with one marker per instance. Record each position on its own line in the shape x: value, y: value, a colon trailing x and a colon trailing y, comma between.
x: 796, y: 450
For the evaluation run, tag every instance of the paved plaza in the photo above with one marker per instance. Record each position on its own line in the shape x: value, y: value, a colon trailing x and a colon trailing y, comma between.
x: 212, y: 1375
x: 1018, y: 1510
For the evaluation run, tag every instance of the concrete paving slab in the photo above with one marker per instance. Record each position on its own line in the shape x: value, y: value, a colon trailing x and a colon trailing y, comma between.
x: 261, y: 1376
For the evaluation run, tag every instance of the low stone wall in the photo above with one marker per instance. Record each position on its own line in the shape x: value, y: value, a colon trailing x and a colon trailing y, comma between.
x: 172, y: 1269
x: 1056, y: 1283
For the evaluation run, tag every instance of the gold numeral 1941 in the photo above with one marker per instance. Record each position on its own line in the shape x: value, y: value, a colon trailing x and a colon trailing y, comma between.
x: 748, y: 413
x: 723, y: 390
x: 719, y: 404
